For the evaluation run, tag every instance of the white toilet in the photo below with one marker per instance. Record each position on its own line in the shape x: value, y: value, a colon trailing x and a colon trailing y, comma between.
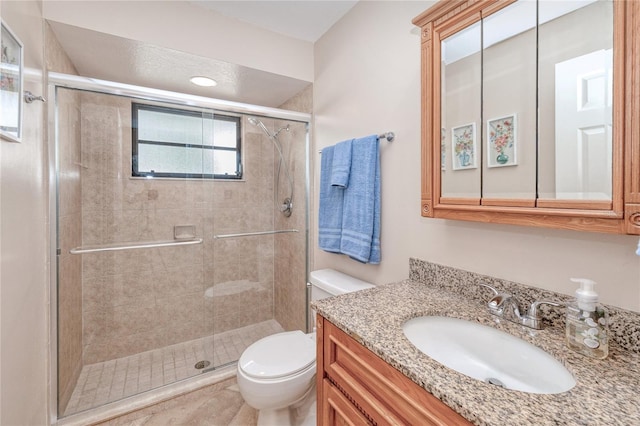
x: 276, y: 374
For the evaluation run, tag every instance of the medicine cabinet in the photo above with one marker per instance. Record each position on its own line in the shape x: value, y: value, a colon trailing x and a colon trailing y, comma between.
x: 531, y: 113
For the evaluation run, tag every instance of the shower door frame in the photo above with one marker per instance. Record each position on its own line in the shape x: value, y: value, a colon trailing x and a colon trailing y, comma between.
x: 59, y: 80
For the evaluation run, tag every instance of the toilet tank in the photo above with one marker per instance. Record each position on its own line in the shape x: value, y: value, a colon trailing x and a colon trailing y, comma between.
x: 328, y: 282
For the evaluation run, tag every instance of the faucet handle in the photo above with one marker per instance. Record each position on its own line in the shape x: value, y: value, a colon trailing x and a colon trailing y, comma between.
x: 495, y: 292
x: 533, y: 310
x: 496, y: 303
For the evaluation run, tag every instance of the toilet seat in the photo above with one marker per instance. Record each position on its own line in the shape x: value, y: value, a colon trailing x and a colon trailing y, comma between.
x: 278, y: 355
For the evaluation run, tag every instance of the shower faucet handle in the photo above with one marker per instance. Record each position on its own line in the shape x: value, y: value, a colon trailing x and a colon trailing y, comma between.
x: 286, y: 207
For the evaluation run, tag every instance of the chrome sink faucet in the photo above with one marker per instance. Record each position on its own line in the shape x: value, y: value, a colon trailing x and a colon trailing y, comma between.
x: 507, y: 306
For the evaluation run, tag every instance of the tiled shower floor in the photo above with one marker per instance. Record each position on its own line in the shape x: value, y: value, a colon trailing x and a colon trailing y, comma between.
x: 112, y: 380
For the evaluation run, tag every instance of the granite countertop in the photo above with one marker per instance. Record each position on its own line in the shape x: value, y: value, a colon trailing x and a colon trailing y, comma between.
x: 606, y: 392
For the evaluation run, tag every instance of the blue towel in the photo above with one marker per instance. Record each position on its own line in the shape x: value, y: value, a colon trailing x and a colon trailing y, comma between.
x: 341, y: 164
x: 360, y: 237
x: 330, y: 208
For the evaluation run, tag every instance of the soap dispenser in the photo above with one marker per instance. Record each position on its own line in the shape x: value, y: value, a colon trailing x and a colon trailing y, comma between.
x: 587, y: 322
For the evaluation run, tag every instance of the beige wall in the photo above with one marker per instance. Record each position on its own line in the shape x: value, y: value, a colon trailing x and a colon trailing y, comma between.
x: 23, y: 246
x: 367, y: 79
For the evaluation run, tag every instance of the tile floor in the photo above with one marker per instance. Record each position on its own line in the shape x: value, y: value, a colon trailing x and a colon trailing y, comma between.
x: 216, y: 405
x: 112, y: 380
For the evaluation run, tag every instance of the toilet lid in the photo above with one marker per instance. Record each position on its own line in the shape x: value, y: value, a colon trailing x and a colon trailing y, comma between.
x: 279, y: 355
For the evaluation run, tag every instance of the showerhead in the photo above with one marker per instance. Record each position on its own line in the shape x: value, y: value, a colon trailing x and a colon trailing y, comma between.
x: 260, y: 124
x: 287, y: 205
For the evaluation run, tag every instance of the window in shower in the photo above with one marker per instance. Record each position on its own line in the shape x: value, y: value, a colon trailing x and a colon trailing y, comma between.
x: 177, y: 143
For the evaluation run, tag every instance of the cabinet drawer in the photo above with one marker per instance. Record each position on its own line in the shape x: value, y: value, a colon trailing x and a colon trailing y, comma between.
x: 385, y: 394
x: 338, y: 410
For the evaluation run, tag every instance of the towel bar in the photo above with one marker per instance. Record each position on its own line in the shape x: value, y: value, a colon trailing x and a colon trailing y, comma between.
x: 389, y: 136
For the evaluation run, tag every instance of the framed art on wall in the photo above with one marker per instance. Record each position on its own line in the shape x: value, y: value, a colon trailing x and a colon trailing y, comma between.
x: 501, y: 134
x: 11, y: 81
x: 463, y: 142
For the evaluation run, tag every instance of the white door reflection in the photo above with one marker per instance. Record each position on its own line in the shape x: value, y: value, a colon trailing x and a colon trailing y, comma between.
x: 583, y: 127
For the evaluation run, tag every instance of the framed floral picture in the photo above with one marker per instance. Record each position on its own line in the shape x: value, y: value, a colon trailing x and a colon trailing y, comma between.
x: 11, y: 69
x: 463, y: 144
x: 501, y: 137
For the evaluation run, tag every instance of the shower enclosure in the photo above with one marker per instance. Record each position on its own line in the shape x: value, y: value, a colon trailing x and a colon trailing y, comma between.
x: 175, y: 250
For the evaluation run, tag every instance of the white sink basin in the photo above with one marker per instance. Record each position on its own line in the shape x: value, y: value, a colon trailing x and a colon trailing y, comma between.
x: 488, y: 354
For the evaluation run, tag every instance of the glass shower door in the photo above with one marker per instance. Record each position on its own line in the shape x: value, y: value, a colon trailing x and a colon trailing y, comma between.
x: 259, y: 270
x: 242, y: 272
x: 132, y: 209
x: 174, y: 253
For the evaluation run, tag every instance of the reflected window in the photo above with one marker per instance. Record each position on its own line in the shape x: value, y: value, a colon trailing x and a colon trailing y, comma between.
x: 176, y: 143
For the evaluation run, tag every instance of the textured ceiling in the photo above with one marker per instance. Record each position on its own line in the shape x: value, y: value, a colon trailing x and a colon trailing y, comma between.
x: 302, y: 19
x: 107, y: 57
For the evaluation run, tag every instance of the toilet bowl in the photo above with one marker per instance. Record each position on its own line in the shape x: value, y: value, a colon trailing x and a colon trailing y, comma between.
x: 276, y: 374
x: 278, y: 370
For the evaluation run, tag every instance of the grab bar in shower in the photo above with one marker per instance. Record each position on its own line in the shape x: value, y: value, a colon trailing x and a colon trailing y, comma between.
x: 250, y: 234
x: 134, y: 245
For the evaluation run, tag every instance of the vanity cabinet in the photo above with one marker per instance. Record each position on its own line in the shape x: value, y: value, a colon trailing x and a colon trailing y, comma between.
x: 356, y: 387
x: 530, y: 113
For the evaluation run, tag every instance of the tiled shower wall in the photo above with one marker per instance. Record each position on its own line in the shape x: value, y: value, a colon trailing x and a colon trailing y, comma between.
x: 137, y: 300
x: 290, y: 267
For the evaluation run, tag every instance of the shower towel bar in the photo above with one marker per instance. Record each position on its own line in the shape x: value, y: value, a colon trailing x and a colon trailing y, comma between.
x: 134, y: 245
x: 389, y: 136
x: 249, y: 234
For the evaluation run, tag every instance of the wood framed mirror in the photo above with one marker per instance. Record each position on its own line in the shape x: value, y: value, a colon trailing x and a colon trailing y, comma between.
x: 531, y: 113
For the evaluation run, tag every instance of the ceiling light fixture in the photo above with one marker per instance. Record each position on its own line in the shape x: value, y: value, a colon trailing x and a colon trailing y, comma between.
x: 203, y: 81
